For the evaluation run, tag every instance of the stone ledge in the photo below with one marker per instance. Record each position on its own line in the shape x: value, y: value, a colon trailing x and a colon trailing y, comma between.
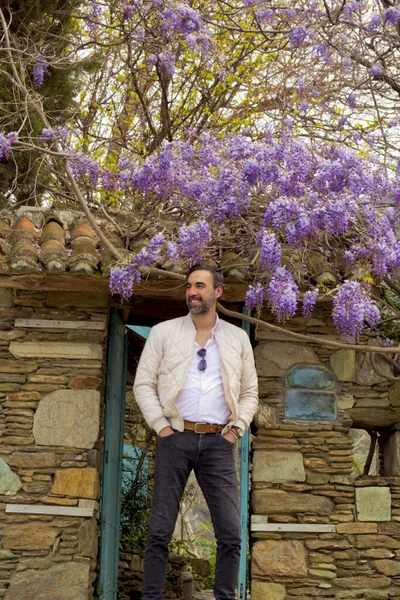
x: 38, y: 509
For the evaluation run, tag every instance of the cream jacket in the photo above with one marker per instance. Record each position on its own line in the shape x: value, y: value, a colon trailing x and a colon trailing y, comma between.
x: 165, y: 362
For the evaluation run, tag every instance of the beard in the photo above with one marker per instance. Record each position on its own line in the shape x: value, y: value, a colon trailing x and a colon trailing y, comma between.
x: 202, y: 308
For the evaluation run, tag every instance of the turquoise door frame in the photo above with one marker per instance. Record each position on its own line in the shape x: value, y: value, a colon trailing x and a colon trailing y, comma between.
x: 110, y: 509
x: 117, y: 367
x: 244, y: 449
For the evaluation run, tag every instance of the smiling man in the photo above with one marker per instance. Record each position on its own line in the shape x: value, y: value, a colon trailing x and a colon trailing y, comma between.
x: 196, y: 385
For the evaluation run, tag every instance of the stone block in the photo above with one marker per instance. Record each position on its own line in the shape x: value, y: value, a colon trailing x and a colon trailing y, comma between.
x: 17, y: 366
x: 373, y: 504
x: 34, y: 460
x: 275, y: 358
x: 343, y: 363
x: 269, y: 502
x: 79, y: 483
x: 351, y: 528
x: 65, y: 581
x: 284, y: 558
x: 391, y: 568
x: 6, y: 298
x: 10, y: 483
x: 262, y: 590
x: 266, y: 417
x: 277, y: 467
x: 376, y: 541
x: 88, y: 540
x: 392, y: 456
x: 56, y: 350
x: 29, y: 537
x: 361, y: 582
x: 365, y: 374
x: 68, y: 418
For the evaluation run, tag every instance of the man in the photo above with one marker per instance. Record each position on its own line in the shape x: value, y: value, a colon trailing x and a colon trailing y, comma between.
x: 196, y: 385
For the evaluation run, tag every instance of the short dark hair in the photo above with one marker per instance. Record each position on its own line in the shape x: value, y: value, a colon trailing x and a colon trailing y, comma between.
x: 218, y: 278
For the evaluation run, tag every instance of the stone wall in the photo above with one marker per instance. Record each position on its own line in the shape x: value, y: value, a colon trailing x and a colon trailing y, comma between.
x: 52, y: 373
x: 317, y: 531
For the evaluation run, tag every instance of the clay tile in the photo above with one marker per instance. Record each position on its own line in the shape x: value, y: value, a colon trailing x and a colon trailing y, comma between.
x: 82, y: 230
x: 23, y: 227
x: 52, y: 231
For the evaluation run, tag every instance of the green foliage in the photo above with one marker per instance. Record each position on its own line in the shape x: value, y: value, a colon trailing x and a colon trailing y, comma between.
x: 135, y: 503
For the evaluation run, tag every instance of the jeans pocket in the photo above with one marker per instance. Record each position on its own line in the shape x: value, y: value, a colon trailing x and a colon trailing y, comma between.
x: 232, y: 444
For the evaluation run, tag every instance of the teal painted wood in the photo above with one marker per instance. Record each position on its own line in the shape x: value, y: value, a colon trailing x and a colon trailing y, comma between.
x: 244, y: 449
x: 117, y: 365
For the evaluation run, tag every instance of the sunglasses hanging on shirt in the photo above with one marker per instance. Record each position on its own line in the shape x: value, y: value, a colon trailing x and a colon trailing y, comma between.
x: 202, y: 366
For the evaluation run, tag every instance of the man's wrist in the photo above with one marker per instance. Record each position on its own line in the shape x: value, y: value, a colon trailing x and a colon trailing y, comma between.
x: 238, y: 432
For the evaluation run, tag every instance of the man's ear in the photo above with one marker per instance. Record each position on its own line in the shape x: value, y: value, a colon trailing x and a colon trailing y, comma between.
x: 219, y: 291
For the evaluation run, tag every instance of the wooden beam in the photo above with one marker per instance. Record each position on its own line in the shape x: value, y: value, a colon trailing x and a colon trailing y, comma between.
x: 293, y: 527
x: 56, y: 324
x: 148, y: 288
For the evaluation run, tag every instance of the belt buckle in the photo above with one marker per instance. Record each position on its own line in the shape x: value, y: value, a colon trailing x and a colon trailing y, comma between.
x: 195, y: 427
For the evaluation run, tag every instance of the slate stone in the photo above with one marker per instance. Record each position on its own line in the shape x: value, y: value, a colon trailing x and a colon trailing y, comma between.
x: 67, y: 581
x: 365, y: 374
x: 79, y: 483
x: 266, y: 417
x: 88, y: 540
x: 261, y: 590
x: 373, y: 504
x: 56, y: 350
x: 10, y: 483
x: 277, y: 467
x: 6, y: 298
x: 29, y: 536
x: 34, y: 460
x: 273, y: 359
x: 343, y: 363
x: 68, y: 418
x: 269, y: 501
x: 285, y: 558
x: 391, y: 568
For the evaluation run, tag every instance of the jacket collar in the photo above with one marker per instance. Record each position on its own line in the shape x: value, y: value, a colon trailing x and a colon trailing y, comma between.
x: 188, y: 323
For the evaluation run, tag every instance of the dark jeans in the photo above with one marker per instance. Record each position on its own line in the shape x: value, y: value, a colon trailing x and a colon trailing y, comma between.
x: 211, y: 458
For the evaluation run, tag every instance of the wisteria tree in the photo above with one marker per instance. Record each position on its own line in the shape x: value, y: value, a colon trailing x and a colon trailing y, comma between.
x: 256, y: 128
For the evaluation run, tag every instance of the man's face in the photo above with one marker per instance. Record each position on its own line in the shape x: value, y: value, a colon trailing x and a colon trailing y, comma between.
x: 200, y: 293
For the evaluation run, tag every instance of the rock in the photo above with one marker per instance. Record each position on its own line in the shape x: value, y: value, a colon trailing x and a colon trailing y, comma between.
x: 6, y: 298
x: 276, y: 467
x: 68, y: 418
x: 9, y: 336
x: 273, y: 359
x: 285, y: 558
x: 80, y: 483
x: 56, y: 350
x: 360, y: 583
x: 390, y: 568
x: 88, y: 540
x: 29, y: 537
x: 10, y: 483
x: 17, y: 366
x: 350, y: 528
x: 392, y: 456
x: 12, y: 378
x: 269, y: 502
x: 85, y: 383
x: 376, y: 541
x: 65, y: 581
x: 7, y: 554
x: 374, y: 418
x: 266, y: 417
x: 365, y: 374
x: 373, y: 504
x: 261, y: 590
x: 201, y: 567
x: 33, y: 460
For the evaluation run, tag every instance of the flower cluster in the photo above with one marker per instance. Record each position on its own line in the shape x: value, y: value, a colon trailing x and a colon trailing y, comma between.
x: 5, y: 143
x: 270, y: 251
x: 48, y: 135
x: 352, y: 306
x: 282, y: 294
x: 255, y: 297
x: 309, y: 300
x: 40, y: 69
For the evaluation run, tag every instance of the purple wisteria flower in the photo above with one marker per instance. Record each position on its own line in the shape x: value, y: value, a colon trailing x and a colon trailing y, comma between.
x: 375, y: 70
x: 255, y: 297
x: 270, y: 251
x: 304, y: 106
x: 351, y: 307
x: 167, y: 61
x: 391, y: 16
x: 193, y: 239
x: 173, y: 251
x: 84, y: 168
x: 374, y: 24
x: 6, y: 142
x: 93, y: 16
x: 352, y: 100
x: 282, y: 293
x: 40, y: 69
x: 298, y: 35
x: 309, y: 300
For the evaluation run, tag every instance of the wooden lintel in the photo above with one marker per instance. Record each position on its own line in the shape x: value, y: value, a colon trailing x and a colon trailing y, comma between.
x: 49, y: 509
x: 149, y: 288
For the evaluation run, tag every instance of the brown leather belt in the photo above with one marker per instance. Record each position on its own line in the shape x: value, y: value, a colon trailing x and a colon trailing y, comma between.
x: 203, y: 427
